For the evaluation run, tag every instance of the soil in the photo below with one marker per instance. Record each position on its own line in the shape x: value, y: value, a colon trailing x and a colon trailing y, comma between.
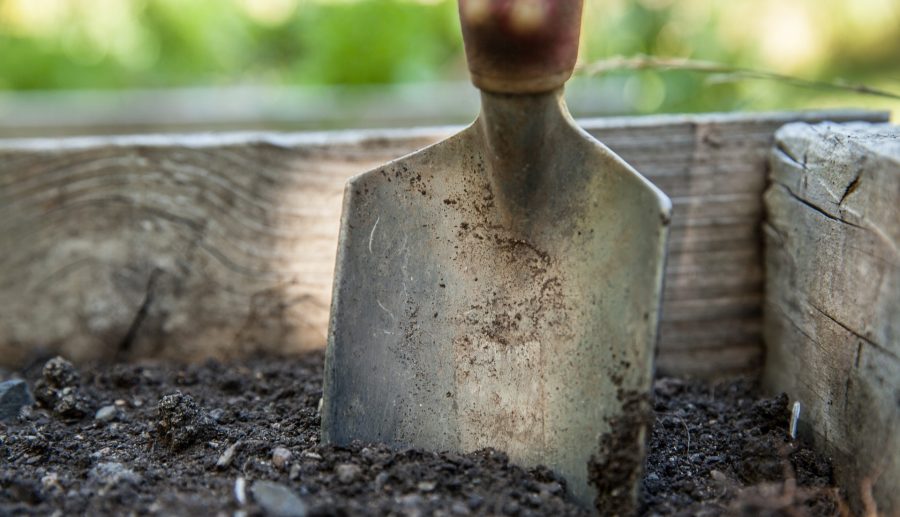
x: 619, y: 460
x: 169, y: 439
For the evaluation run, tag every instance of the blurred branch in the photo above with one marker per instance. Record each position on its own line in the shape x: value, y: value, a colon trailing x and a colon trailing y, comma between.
x: 725, y: 73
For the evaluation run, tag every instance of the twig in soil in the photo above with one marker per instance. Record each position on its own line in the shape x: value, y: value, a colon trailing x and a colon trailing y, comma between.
x: 724, y: 73
x: 687, y: 447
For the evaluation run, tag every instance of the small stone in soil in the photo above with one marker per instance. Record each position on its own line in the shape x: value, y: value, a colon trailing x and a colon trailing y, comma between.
x: 106, y: 413
x: 240, y: 491
x: 277, y: 500
x: 228, y: 456
x: 381, y: 479
x: 14, y: 395
x: 346, y: 472
x: 281, y: 457
x: 113, y: 473
x: 50, y: 481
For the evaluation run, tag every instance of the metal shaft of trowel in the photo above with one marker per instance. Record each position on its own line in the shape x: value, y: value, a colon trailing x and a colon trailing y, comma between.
x: 519, y: 155
x: 520, y: 54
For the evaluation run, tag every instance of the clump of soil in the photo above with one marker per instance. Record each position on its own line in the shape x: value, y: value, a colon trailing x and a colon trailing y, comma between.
x: 58, y: 390
x: 617, y: 465
x: 180, y: 422
x: 214, y: 438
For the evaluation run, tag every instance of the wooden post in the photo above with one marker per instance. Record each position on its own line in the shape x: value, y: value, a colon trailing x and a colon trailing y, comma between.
x: 832, y: 311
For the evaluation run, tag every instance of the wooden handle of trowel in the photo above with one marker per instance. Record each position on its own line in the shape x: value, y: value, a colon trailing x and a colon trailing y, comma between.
x: 520, y: 46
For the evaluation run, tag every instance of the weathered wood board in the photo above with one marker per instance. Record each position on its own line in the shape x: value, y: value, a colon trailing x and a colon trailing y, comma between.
x: 832, y: 311
x: 191, y: 246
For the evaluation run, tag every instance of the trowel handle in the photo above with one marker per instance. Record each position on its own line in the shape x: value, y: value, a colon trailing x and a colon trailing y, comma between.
x: 520, y: 46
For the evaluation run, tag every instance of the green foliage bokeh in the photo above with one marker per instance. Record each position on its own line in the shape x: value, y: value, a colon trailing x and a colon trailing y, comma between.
x: 119, y: 44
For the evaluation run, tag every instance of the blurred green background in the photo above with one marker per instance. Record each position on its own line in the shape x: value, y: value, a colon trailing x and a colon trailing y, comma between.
x: 275, y: 47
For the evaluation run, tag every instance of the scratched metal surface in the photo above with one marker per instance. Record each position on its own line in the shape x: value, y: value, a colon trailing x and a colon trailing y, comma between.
x: 498, y: 289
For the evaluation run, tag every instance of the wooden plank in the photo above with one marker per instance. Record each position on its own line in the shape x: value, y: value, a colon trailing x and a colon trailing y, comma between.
x: 730, y: 361
x: 189, y: 246
x: 832, y: 309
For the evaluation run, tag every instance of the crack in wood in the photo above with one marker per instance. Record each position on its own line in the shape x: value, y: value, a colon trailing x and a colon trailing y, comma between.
x: 819, y: 209
x: 781, y: 148
x: 128, y: 339
x: 851, y: 188
x: 862, y: 338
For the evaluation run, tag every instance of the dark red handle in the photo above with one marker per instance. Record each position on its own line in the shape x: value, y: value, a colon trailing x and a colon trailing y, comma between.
x: 520, y: 46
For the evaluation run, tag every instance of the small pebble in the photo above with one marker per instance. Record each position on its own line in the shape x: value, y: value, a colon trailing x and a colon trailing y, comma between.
x: 278, y: 500
x: 426, y: 486
x: 410, y: 501
x: 106, y: 413
x: 511, y: 508
x: 347, y: 472
x: 281, y: 457
x: 228, y: 456
x: 14, y: 395
x: 713, y: 459
x: 240, y: 491
x: 381, y: 479
x: 113, y: 473
x: 312, y: 455
x: 101, y: 453
x: 533, y: 499
x: 551, y: 488
x: 50, y: 481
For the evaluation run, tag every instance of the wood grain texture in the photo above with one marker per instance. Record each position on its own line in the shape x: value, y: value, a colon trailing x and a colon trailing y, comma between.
x: 832, y: 310
x: 191, y: 246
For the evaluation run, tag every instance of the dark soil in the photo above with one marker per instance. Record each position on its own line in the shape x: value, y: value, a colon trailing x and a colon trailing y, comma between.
x: 183, y: 440
x: 618, y: 461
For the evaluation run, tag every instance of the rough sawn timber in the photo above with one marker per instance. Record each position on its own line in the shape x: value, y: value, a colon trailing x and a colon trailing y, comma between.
x: 832, y: 313
x: 223, y: 245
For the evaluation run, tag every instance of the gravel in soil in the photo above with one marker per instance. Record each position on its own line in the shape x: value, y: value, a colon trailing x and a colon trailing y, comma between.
x: 219, y: 438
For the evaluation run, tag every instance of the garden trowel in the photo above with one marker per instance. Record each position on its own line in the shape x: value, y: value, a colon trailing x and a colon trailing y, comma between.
x: 501, y: 288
